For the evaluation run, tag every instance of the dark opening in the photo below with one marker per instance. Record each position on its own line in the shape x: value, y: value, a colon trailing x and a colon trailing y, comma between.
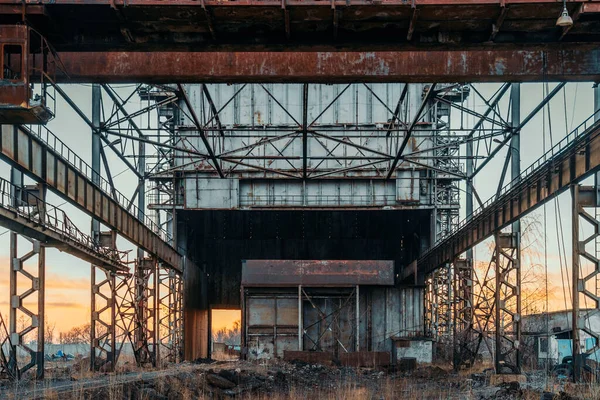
x: 12, y: 59
x: 218, y: 241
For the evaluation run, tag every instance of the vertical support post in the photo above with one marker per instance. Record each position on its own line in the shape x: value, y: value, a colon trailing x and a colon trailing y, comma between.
x: 103, y: 282
x: 146, y: 311
x: 41, y: 289
x: 596, y: 88
x: 575, y: 283
x: 585, y: 274
x: 465, y: 348
x: 95, y: 229
x: 304, y: 130
x: 300, y: 335
x: 25, y: 283
x: 463, y: 313
x: 508, y: 266
x: 16, y: 178
x: 357, y: 318
x: 507, y: 304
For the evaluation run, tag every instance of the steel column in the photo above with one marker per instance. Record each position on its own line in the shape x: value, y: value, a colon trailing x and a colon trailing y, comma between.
x: 26, y: 320
x: 146, y: 285
x: 585, y: 273
x: 507, y: 304
x: 103, y: 283
x: 463, y: 313
x: 439, y: 295
x: 170, y: 315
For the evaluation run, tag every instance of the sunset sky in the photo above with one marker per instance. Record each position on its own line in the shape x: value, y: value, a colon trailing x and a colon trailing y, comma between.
x: 68, y: 279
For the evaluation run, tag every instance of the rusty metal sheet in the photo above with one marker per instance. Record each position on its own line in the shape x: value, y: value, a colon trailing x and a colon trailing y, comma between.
x: 280, y: 273
x: 310, y: 357
x: 366, y: 359
x: 548, y: 63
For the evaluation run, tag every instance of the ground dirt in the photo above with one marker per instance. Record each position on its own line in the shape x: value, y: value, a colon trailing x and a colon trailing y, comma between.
x: 282, y: 380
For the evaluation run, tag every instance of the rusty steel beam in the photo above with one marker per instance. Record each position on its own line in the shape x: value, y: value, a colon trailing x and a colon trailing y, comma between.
x: 570, y: 62
x: 322, y: 273
x: 47, y: 160
x: 262, y: 3
x: 573, y: 159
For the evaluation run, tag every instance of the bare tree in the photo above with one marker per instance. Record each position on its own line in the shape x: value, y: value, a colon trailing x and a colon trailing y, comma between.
x: 49, y: 329
x: 230, y: 336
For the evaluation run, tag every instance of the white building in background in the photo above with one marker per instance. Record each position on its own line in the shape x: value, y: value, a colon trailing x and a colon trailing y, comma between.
x: 550, y: 334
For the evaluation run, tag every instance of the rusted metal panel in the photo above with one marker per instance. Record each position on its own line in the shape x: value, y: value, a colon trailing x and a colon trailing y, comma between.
x: 310, y: 357
x: 50, y: 169
x: 196, y: 334
x: 261, y: 312
x: 365, y: 359
x: 280, y: 273
x: 61, y: 176
x: 80, y: 190
x: 7, y: 140
x: 552, y: 63
x: 412, y: 308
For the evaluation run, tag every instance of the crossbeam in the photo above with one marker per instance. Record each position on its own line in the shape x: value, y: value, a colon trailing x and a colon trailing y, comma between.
x: 548, y: 63
x: 573, y: 159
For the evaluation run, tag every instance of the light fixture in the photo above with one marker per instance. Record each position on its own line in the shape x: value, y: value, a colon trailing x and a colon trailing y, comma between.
x: 565, y: 19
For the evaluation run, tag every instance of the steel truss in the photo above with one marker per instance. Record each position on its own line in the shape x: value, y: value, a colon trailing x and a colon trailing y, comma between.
x: 26, y: 326
x: 508, y: 303
x: 463, y: 308
x: 112, y: 317
x: 170, y: 315
x: 585, y: 274
x: 476, y: 322
x: 190, y: 141
x: 146, y: 297
x: 438, y: 304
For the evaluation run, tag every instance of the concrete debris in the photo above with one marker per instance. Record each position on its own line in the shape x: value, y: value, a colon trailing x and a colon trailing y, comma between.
x: 219, y: 381
x: 508, y: 391
x: 283, y: 380
x: 430, y: 372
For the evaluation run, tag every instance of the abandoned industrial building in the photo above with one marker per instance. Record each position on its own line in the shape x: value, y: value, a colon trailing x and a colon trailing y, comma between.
x: 406, y: 190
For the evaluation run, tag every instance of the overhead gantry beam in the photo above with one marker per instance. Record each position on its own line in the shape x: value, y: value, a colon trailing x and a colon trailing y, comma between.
x: 570, y: 161
x: 549, y: 63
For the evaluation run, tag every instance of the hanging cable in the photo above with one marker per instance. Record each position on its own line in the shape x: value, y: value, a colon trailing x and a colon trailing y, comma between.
x: 558, y: 224
x: 544, y: 92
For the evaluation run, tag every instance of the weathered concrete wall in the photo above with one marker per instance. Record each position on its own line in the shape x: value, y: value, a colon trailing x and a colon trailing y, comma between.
x: 421, y: 349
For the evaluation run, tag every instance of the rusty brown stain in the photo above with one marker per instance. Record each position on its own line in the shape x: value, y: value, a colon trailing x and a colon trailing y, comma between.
x: 551, y: 62
x: 317, y: 272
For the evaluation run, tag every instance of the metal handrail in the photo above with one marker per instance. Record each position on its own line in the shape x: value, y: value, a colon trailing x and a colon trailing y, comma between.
x: 36, y: 210
x: 503, y: 196
x: 57, y: 145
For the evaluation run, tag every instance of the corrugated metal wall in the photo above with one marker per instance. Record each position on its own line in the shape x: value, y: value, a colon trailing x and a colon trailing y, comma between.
x: 271, y: 320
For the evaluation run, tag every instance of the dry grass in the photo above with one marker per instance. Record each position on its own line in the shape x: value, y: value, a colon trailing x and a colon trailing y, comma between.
x: 187, y: 382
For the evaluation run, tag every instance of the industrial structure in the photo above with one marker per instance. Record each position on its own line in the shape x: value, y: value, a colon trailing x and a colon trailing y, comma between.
x: 291, y: 154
